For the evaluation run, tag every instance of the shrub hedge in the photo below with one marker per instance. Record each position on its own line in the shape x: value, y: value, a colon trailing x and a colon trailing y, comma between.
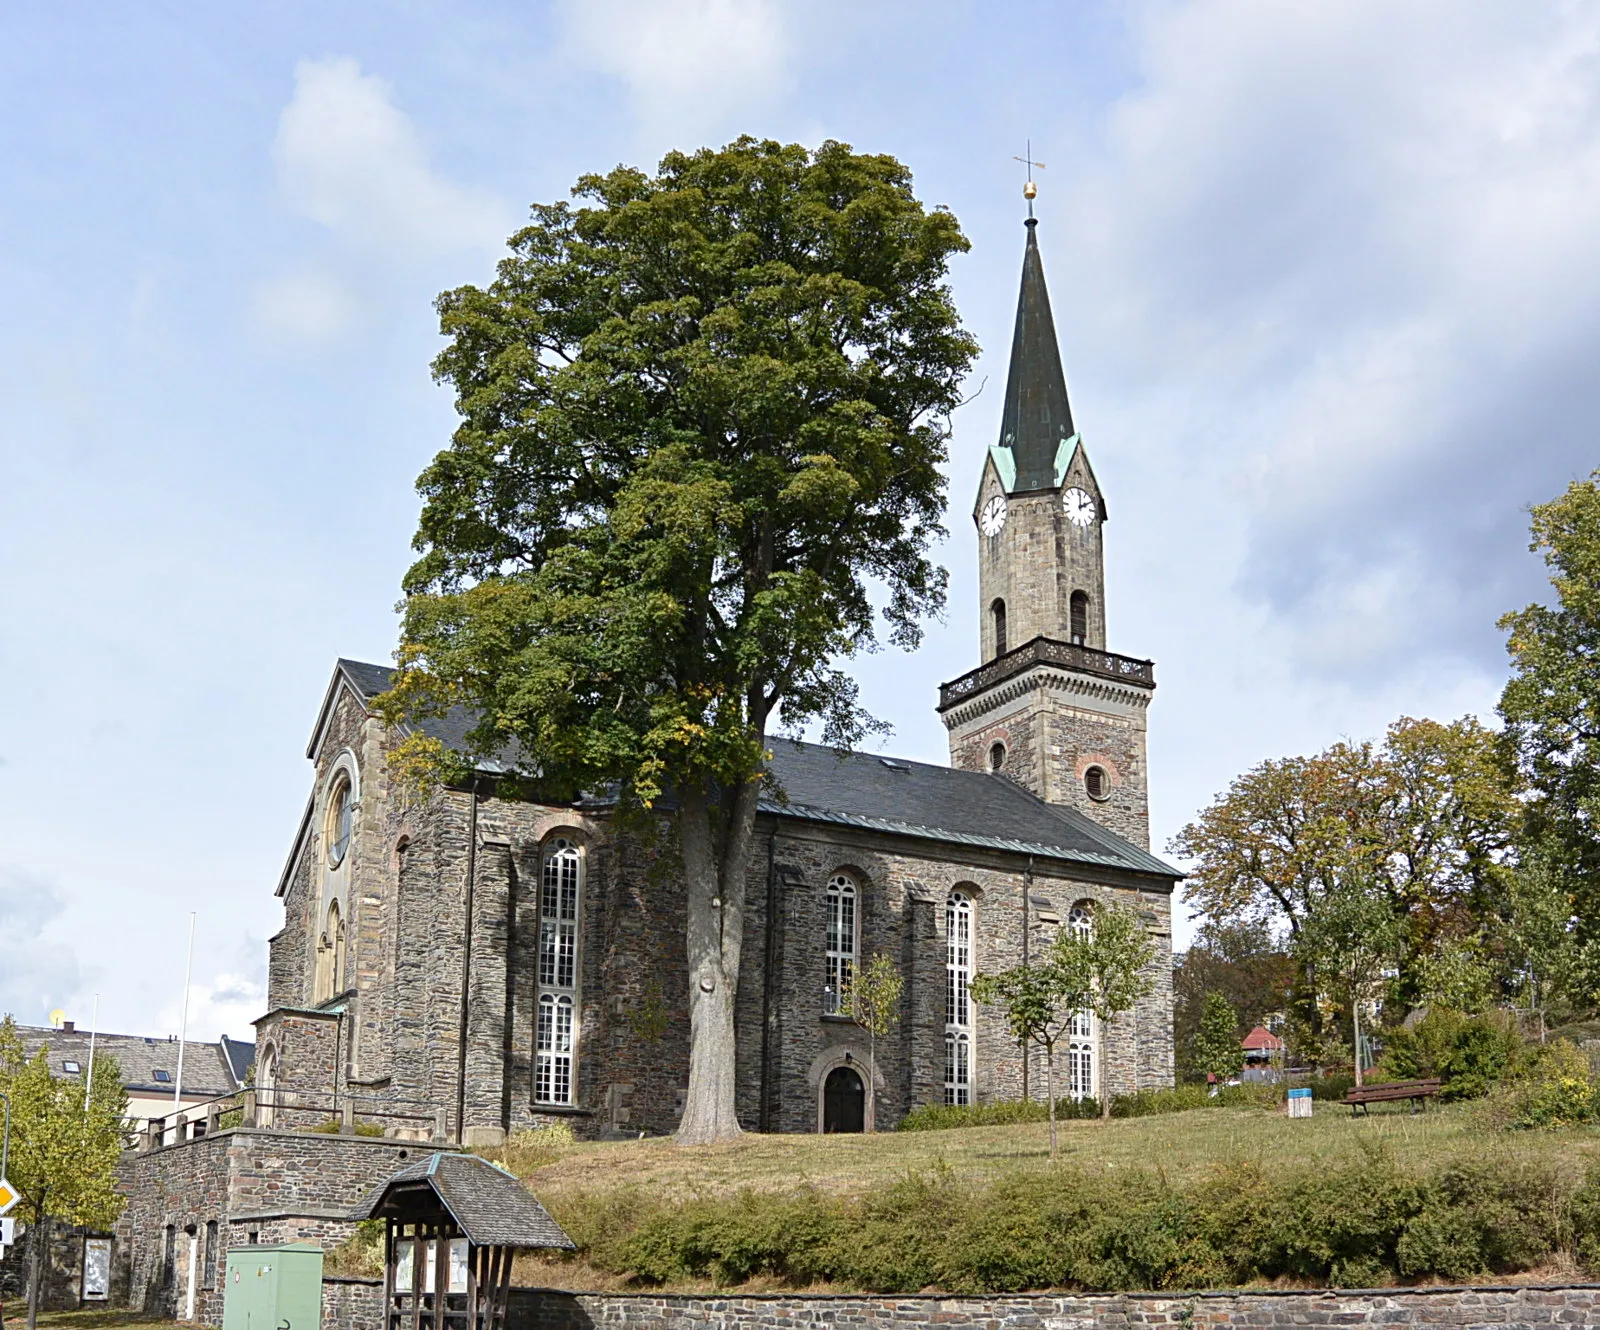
x: 1146, y: 1103
x: 1352, y: 1226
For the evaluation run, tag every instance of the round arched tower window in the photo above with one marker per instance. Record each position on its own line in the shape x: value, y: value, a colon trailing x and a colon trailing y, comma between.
x: 339, y: 819
x: 997, y: 757
x: 1097, y: 783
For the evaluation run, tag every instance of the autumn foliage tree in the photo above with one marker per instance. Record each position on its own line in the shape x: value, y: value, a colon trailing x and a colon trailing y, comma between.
x: 702, y: 422
x: 65, y: 1145
x: 1417, y: 832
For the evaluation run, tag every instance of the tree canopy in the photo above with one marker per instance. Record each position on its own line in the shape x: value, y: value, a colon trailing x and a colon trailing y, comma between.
x: 1424, y: 824
x: 702, y: 418
x: 1551, y: 704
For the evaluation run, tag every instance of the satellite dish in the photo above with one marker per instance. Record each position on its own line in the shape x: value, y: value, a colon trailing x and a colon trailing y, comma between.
x: 57, y: 1017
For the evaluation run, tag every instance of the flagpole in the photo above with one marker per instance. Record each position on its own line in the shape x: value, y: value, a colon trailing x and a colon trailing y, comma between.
x: 94, y: 1027
x: 183, y: 1028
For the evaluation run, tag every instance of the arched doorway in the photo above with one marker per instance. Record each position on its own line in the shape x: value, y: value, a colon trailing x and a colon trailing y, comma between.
x: 844, y: 1101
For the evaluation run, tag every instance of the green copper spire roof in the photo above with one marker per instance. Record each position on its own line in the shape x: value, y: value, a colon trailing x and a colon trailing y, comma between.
x: 1037, y: 415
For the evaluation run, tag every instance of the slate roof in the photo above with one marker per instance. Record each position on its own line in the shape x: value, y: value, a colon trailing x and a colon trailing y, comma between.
x: 974, y: 808
x: 492, y: 1207
x: 207, y: 1070
x: 1037, y: 415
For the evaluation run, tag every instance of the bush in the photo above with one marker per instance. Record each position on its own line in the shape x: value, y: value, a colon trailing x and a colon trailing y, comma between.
x: 1556, y: 1088
x: 1356, y: 1225
x: 1469, y: 1054
x: 1146, y: 1103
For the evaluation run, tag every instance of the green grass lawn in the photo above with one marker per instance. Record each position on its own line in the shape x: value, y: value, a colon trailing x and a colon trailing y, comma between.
x: 1180, y: 1144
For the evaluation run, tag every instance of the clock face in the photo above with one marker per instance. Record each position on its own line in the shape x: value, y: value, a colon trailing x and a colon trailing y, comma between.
x: 993, y: 516
x: 1079, y: 505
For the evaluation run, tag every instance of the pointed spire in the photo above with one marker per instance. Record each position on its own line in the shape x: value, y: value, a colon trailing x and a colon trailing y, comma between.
x: 1037, y: 414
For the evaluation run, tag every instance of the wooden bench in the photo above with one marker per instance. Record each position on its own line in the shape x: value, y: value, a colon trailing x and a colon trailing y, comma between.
x: 1418, y: 1092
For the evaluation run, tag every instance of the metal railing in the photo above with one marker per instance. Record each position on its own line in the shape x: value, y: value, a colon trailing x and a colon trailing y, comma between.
x: 1047, y: 651
x: 262, y: 1107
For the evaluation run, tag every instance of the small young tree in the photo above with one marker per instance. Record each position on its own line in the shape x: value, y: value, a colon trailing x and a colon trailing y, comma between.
x: 1350, y: 942
x: 1216, y: 1048
x: 1117, y: 951
x: 63, y: 1153
x: 872, y: 1000
x: 1040, y: 1000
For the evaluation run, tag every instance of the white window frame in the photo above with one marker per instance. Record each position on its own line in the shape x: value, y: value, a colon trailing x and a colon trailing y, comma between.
x: 1081, y: 1059
x: 556, y: 1006
x: 843, y: 906
x: 958, y: 917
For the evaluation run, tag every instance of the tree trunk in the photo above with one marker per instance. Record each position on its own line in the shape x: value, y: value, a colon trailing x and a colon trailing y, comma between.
x: 1050, y: 1091
x: 714, y: 872
x: 872, y: 1080
x: 38, y: 1240
x: 1099, y: 1055
x: 1355, y: 1022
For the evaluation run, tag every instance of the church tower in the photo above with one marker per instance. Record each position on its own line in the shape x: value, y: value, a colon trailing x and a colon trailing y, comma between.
x: 1050, y: 707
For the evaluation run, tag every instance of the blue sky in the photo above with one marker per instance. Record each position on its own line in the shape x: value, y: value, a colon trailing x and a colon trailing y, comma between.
x: 1325, y: 278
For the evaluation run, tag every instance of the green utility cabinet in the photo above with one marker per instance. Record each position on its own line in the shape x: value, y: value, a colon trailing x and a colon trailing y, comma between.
x: 275, y: 1286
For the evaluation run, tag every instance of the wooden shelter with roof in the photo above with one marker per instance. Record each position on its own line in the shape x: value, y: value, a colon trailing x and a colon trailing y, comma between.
x: 454, y: 1223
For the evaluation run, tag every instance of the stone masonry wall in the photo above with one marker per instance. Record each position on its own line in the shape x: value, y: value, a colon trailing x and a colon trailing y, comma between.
x: 902, y: 911
x: 1480, y: 1308
x: 255, y: 1185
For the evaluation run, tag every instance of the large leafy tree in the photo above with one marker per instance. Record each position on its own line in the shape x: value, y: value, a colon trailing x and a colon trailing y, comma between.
x: 1424, y: 824
x: 65, y: 1144
x: 702, y: 418
x: 1551, y: 704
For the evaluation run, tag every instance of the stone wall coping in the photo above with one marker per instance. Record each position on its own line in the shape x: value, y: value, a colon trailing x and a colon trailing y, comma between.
x: 1142, y: 1295
x: 352, y: 1279
x: 302, y: 1213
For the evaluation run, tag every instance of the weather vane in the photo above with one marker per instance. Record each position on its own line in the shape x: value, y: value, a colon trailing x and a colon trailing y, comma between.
x: 1030, y: 190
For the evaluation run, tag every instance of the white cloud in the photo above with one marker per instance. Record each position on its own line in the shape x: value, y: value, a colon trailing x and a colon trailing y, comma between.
x: 687, y: 64
x: 1367, y: 238
x: 349, y: 158
x: 304, y: 307
x: 37, y: 974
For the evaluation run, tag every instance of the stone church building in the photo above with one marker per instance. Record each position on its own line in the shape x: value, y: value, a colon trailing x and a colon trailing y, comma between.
x: 487, y: 963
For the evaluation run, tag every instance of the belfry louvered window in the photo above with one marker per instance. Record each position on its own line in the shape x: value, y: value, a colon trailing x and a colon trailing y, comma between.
x: 560, y: 888
x: 957, y: 1000
x: 841, y: 903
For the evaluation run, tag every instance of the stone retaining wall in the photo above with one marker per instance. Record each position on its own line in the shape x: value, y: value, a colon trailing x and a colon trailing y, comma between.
x: 351, y: 1304
x: 1503, y: 1308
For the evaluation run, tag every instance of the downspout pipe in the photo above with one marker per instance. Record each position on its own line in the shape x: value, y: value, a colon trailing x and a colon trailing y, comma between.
x: 466, y: 965
x: 769, y: 981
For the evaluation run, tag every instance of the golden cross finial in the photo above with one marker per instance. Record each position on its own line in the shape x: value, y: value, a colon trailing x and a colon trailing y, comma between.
x: 1029, y: 190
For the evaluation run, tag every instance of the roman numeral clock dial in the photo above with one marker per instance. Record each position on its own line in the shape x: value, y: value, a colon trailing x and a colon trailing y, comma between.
x: 993, y: 516
x: 1079, y: 506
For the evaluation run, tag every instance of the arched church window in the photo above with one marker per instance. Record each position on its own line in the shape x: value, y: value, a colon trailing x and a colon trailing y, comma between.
x: 958, y: 1001
x: 1080, y: 617
x: 997, y: 757
x: 1096, y: 783
x: 998, y: 610
x: 340, y: 818
x: 560, y: 889
x: 841, y: 909
x: 336, y: 938
x: 266, y: 1085
x: 1080, y: 1034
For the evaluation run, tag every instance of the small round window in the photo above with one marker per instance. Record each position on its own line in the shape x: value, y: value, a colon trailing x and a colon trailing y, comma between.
x: 339, y: 819
x: 1097, y: 783
x: 997, y: 757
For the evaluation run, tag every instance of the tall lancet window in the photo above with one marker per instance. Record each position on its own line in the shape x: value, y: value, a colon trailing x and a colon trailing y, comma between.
x: 1080, y: 1035
x: 841, y: 904
x: 957, y: 1000
x: 555, y: 1032
x: 1080, y: 617
x: 998, y: 609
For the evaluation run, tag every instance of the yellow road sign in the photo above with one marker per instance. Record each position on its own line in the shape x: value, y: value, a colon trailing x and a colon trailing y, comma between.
x: 9, y: 1196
